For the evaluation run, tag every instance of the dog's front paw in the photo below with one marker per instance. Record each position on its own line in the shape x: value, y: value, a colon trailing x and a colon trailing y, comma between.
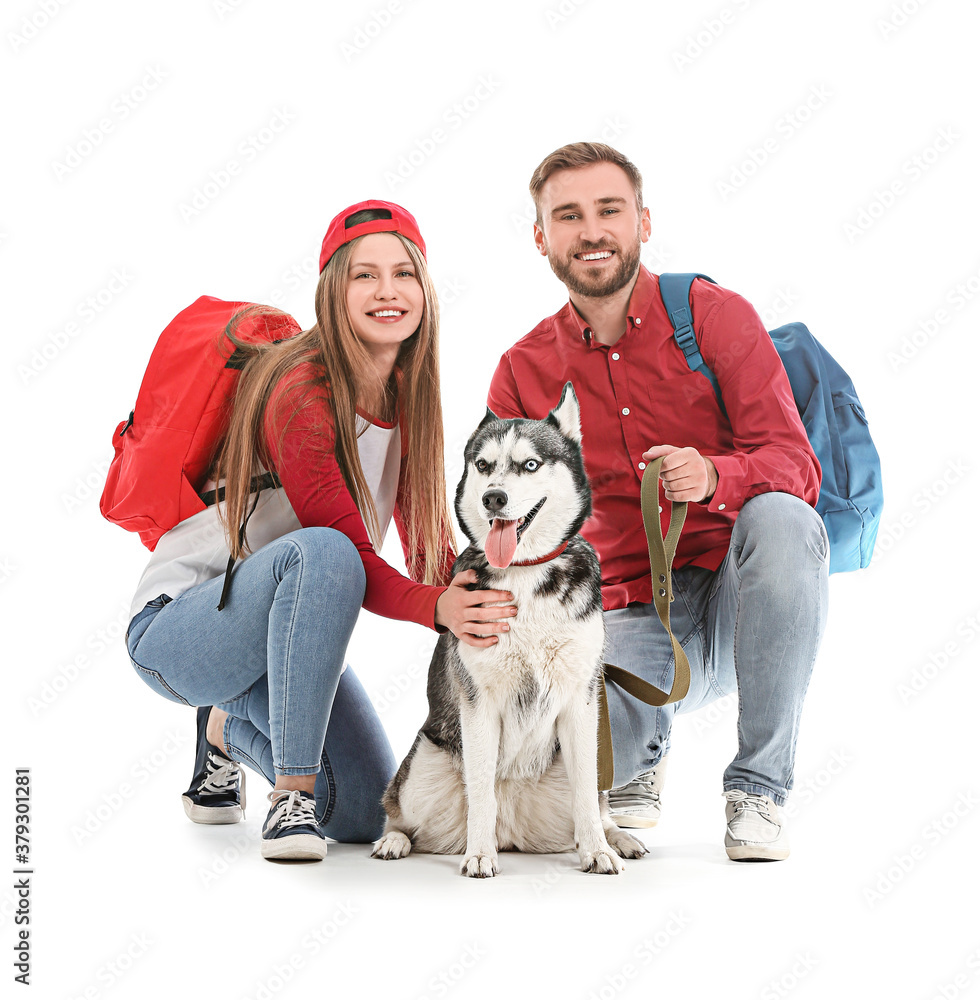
x: 625, y: 845
x: 479, y: 865
x: 602, y: 862
x: 393, y: 845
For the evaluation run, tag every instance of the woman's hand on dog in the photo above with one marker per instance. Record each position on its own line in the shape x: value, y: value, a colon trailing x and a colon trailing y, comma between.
x: 458, y: 609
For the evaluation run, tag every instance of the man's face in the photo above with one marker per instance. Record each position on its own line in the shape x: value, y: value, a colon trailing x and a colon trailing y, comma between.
x: 590, y: 228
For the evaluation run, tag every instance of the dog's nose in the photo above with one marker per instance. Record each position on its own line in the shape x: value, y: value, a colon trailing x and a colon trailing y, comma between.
x: 494, y: 500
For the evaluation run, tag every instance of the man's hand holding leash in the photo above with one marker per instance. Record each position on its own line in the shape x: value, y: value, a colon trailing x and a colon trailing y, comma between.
x: 686, y: 474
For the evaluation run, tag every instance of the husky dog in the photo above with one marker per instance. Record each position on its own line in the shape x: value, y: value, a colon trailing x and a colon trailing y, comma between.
x: 506, y: 759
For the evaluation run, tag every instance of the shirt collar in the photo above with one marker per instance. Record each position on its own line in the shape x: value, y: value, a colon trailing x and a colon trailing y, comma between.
x: 642, y: 297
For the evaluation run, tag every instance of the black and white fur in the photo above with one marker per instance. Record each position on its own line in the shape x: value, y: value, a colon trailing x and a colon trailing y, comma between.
x: 506, y: 759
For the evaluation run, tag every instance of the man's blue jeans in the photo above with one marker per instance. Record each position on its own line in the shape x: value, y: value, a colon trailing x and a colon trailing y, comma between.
x: 755, y: 623
x: 273, y: 659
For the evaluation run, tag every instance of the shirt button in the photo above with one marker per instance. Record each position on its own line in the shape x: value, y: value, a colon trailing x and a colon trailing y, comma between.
x: 642, y: 465
x: 638, y: 322
x: 615, y: 357
x: 626, y: 411
x: 660, y: 509
x: 721, y: 506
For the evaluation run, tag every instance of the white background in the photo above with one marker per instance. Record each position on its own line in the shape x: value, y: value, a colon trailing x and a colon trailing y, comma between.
x: 131, y: 900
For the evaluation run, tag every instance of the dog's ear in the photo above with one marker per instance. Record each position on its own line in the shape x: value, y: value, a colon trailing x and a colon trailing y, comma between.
x: 566, y: 416
x: 489, y: 417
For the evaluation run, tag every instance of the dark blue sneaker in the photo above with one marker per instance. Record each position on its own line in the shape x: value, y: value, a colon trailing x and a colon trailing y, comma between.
x: 217, y: 792
x: 291, y: 832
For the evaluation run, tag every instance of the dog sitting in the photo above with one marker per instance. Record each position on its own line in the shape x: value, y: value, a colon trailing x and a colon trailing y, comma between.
x: 506, y: 759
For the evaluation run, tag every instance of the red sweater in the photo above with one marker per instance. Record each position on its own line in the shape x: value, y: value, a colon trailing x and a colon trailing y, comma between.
x: 640, y: 393
x: 311, y: 478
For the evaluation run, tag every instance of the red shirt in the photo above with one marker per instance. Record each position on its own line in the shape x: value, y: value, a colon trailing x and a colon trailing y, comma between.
x: 311, y: 478
x: 640, y: 393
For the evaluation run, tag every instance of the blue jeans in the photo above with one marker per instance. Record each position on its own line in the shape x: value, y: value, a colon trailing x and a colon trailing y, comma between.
x: 273, y: 659
x: 755, y: 624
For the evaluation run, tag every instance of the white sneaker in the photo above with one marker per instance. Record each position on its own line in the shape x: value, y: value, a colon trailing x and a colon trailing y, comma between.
x: 637, y: 805
x: 754, y: 831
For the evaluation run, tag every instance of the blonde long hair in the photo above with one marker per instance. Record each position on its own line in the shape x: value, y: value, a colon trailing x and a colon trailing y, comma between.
x: 334, y: 349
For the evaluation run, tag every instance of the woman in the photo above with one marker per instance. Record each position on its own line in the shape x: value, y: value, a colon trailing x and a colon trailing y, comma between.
x: 348, y: 415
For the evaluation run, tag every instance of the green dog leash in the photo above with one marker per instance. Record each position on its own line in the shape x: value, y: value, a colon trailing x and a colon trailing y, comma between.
x: 661, y: 551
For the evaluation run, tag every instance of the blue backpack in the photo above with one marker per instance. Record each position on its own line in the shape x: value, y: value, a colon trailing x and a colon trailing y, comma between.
x: 850, y: 490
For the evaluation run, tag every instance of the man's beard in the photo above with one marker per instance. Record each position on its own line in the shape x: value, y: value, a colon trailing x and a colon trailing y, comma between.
x: 594, y: 285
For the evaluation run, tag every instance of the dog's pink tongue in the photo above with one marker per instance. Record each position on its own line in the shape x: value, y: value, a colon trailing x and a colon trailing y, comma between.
x: 501, y: 543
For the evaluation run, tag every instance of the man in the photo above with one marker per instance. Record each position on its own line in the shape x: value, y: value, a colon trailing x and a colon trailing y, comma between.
x: 750, y: 574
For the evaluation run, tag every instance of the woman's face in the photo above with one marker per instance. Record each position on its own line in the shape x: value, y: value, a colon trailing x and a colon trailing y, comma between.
x: 384, y: 297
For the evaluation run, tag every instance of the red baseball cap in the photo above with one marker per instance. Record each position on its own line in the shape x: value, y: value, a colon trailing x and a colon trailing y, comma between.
x: 379, y: 217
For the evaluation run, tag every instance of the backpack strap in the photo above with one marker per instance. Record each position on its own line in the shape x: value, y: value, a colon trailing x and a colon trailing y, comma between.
x: 267, y: 481
x: 675, y: 290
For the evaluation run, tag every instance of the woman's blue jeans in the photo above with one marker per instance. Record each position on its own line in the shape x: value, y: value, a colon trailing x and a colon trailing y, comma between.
x: 273, y: 659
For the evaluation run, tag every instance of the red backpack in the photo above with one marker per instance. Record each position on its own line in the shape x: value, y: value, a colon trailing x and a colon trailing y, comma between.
x: 163, y: 451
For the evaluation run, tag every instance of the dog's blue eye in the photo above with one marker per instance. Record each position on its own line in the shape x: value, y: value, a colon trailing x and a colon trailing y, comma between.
x: 532, y: 465
x: 482, y: 465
